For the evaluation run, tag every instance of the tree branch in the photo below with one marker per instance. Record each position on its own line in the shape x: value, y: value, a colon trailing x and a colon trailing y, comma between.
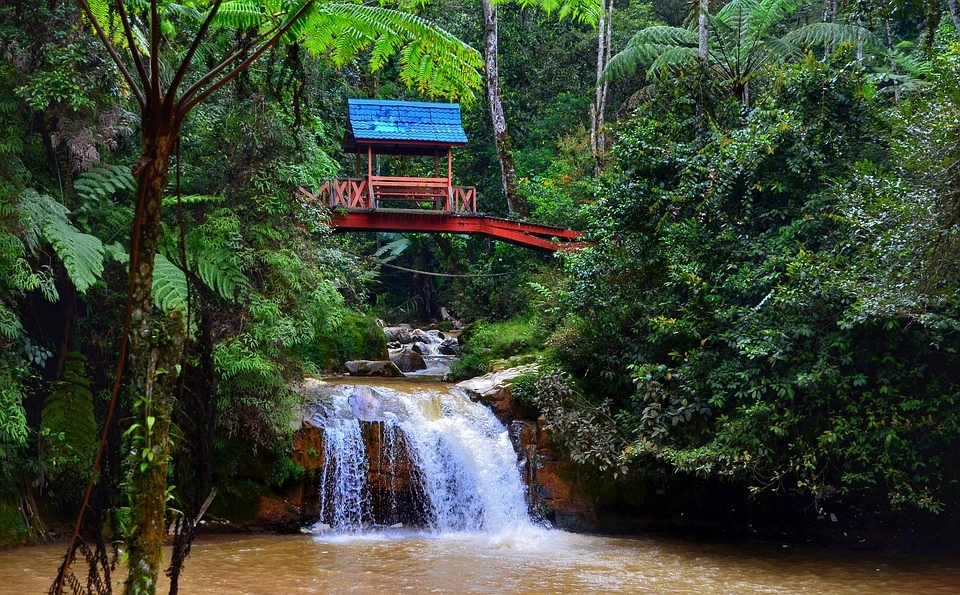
x: 113, y: 54
x: 184, y: 108
x: 154, y: 51
x: 195, y: 87
x: 128, y: 33
x: 185, y: 65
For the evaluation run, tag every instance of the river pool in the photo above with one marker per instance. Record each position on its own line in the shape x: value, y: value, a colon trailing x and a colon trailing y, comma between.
x: 528, y: 561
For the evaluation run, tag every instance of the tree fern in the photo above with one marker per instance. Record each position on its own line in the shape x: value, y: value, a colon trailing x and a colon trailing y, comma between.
x: 742, y: 44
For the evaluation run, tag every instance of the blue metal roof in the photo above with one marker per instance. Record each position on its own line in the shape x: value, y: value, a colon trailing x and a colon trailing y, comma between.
x: 378, y: 120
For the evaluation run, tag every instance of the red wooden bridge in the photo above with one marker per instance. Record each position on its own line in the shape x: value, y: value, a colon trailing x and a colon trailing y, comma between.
x: 417, y: 204
x: 373, y: 204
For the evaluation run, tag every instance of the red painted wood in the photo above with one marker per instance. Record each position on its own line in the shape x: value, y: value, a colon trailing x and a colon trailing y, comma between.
x: 347, y: 201
x: 517, y: 232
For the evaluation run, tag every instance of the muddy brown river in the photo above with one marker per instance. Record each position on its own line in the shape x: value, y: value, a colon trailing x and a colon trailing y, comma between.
x: 493, y: 547
x: 529, y: 561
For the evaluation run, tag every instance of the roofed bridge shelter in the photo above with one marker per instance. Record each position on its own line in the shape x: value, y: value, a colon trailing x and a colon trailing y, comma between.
x: 379, y: 127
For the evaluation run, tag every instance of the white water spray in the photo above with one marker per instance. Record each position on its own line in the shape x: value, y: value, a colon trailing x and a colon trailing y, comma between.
x: 432, y: 459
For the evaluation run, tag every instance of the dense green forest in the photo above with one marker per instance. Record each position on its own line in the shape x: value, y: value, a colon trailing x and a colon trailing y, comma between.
x: 770, y: 304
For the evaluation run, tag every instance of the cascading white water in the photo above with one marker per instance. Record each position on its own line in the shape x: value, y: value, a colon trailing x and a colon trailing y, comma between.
x: 437, y: 459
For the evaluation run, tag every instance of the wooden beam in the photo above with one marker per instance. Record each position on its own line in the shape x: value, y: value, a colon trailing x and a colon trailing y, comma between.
x: 449, y: 206
x: 515, y: 232
x: 370, y: 201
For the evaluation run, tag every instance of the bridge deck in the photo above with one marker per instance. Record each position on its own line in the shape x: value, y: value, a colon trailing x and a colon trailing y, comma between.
x: 402, y: 220
x: 349, y: 203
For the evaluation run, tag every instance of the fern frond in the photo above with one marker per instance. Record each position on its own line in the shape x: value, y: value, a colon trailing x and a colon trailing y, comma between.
x: 81, y: 253
x: 219, y: 270
x: 240, y: 14
x: 582, y: 11
x: 67, y: 423
x: 191, y: 199
x: 816, y: 34
x: 645, y: 47
x: 103, y: 182
x: 392, y: 250
x: 430, y: 59
x: 35, y: 209
x: 169, y: 285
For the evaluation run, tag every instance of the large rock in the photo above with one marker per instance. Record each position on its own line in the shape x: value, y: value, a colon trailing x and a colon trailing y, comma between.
x: 408, y: 360
x: 449, y: 347
x: 397, y: 334
x: 363, y: 367
x: 494, y: 389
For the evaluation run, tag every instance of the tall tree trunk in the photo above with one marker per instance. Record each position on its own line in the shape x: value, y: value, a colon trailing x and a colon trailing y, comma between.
x: 952, y: 4
x: 829, y: 16
x: 933, y: 12
x: 893, y: 63
x: 598, y: 109
x: 155, y: 352
x: 703, y: 31
x: 501, y: 138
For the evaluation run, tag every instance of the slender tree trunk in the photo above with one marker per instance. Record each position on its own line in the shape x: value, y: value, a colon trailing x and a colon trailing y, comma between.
x: 933, y: 13
x: 598, y: 109
x: 952, y: 4
x: 595, y: 108
x: 703, y: 31
x: 860, y: 40
x: 501, y: 138
x: 893, y: 63
x: 829, y: 16
x: 154, y: 354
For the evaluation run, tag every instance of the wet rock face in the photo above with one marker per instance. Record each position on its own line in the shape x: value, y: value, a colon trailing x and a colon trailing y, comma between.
x: 552, y: 486
x: 397, y: 334
x: 362, y: 367
x: 394, y: 492
x: 408, y: 360
x: 449, y: 347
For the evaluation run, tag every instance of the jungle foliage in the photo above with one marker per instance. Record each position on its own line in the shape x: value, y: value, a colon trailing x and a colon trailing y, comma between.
x: 771, y: 300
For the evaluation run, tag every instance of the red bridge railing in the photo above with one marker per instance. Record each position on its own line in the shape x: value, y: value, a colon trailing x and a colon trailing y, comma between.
x: 373, y: 192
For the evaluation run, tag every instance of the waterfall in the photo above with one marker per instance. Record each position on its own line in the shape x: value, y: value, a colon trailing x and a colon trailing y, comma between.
x: 430, y: 459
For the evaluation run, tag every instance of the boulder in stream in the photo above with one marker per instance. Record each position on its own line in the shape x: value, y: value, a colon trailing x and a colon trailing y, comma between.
x: 449, y: 347
x: 363, y: 367
x: 408, y: 360
x: 397, y: 334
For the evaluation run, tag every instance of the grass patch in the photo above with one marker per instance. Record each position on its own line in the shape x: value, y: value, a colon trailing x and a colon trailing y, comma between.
x: 484, y: 342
